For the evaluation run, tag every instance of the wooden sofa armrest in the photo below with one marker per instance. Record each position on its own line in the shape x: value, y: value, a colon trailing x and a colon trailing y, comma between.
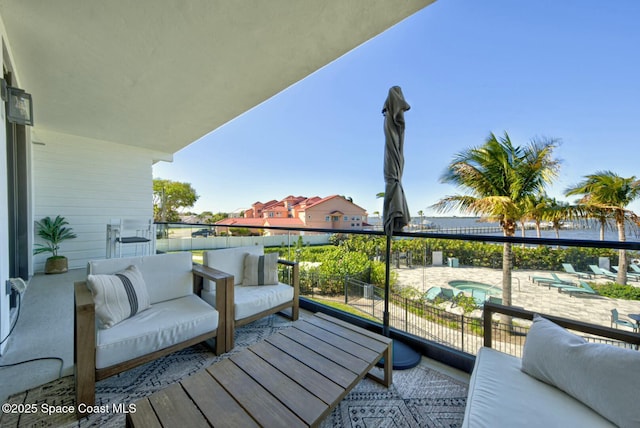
x: 224, y: 301
x: 295, y: 267
x: 84, y: 344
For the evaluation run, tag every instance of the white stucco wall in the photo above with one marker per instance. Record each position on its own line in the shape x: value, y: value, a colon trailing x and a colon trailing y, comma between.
x: 89, y: 182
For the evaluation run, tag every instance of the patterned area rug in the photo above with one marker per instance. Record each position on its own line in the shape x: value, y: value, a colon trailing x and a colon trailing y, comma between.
x: 419, y: 397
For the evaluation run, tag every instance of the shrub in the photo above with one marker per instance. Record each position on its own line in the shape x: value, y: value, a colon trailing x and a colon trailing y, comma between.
x: 617, y: 291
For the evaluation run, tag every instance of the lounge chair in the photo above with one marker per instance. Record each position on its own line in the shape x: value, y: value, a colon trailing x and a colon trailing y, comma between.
x: 432, y: 293
x: 554, y: 281
x: 568, y: 268
x: 596, y: 270
x: 438, y: 292
x: 449, y: 293
x: 479, y: 297
x: 584, y: 288
x: 630, y: 275
x: 615, y: 320
x: 609, y: 274
x: 634, y: 267
x: 493, y: 299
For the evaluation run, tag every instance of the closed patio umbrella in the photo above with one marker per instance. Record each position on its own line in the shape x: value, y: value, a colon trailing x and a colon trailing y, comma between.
x: 395, y: 209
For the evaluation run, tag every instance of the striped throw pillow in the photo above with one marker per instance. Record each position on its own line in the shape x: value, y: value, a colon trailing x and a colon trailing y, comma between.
x: 118, y: 296
x: 260, y: 270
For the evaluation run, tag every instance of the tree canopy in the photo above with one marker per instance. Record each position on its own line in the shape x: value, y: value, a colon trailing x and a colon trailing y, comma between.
x: 170, y: 197
x: 607, y: 195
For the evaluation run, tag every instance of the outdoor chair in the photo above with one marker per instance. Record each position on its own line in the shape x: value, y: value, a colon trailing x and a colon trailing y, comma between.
x: 253, y: 289
x: 137, y: 234
x: 432, y: 294
x: 568, y: 268
x: 554, y: 281
x: 449, y: 293
x: 608, y: 274
x: 479, y: 297
x: 616, y: 321
x: 634, y: 267
x: 630, y: 275
x: 596, y: 270
x: 493, y: 299
x: 130, y: 311
x: 584, y: 288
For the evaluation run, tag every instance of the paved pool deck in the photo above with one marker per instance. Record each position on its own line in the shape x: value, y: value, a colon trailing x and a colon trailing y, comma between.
x: 525, y: 293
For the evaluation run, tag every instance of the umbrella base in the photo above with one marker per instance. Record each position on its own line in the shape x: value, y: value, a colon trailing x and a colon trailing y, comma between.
x: 403, y: 357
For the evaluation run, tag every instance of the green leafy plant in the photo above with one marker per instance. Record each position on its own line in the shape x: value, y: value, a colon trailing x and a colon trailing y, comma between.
x: 617, y: 291
x: 467, y: 303
x: 54, y: 232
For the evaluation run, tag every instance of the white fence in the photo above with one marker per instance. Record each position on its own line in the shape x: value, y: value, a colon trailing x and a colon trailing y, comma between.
x: 187, y: 243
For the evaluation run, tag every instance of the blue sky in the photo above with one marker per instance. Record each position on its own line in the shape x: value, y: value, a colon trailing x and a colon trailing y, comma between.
x: 565, y: 69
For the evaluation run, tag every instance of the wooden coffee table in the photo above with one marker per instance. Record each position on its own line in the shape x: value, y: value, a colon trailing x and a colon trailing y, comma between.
x: 293, y: 378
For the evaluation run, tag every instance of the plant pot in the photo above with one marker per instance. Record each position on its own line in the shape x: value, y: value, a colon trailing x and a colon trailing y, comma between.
x: 57, y: 264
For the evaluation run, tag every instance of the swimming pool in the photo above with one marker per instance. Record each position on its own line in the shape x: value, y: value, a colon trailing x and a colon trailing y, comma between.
x: 470, y: 286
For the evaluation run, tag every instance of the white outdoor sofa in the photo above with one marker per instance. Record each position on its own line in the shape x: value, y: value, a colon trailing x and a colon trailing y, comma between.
x: 171, y: 315
x: 583, y: 384
x: 245, y: 300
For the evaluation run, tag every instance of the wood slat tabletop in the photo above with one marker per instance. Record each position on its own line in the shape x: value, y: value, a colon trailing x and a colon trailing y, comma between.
x: 293, y: 378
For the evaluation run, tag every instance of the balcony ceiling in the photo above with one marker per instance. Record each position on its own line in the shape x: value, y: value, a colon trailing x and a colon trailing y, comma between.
x: 160, y: 74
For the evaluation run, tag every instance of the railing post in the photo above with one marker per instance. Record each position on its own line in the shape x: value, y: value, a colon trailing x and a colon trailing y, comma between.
x: 373, y: 302
x: 346, y: 291
x: 406, y: 314
x: 487, y: 314
x: 462, y: 324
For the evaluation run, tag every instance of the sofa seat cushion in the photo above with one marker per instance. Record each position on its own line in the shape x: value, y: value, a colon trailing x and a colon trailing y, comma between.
x: 253, y: 299
x: 162, y: 325
x: 501, y: 395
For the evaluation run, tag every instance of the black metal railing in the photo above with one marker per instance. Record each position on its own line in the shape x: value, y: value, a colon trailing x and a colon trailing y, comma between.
x: 495, y: 331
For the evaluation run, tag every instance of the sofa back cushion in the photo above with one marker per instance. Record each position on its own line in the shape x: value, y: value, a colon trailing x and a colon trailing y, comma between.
x: 167, y: 276
x: 231, y: 260
x: 604, y: 377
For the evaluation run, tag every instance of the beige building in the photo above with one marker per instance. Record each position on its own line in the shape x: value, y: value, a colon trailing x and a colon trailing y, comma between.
x: 332, y: 212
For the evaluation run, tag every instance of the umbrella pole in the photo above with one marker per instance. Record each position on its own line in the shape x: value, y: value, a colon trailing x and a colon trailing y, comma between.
x: 387, y: 289
x: 403, y: 356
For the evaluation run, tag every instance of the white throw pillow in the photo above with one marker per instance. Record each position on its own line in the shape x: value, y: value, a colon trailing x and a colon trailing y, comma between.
x: 603, y: 377
x: 118, y: 296
x: 260, y: 270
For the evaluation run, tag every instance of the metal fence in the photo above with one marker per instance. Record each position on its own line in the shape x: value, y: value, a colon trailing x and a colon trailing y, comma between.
x: 431, y: 322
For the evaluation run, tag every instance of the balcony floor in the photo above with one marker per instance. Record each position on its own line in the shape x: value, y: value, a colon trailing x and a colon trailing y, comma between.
x: 45, y: 329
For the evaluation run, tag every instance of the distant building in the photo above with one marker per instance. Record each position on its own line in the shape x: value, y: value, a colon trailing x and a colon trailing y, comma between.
x: 332, y: 212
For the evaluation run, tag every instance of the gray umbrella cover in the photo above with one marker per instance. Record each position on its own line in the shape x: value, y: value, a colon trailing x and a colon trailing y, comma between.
x: 395, y: 210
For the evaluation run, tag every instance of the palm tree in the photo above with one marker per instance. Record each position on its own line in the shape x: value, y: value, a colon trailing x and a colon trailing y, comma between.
x: 609, y: 193
x: 556, y: 212
x: 497, y: 178
x: 534, y: 208
x: 599, y: 215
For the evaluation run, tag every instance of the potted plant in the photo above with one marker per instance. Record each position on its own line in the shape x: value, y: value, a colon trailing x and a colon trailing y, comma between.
x: 54, y: 232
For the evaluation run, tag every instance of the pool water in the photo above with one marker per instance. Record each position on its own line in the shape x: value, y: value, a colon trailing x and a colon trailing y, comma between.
x: 470, y: 286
